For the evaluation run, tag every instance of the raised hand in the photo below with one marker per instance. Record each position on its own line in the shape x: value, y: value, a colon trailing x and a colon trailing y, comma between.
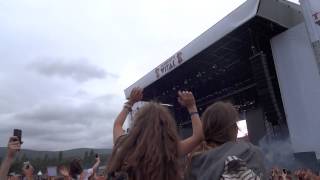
x: 14, y: 146
x: 135, y: 96
x: 186, y: 99
x: 64, y: 171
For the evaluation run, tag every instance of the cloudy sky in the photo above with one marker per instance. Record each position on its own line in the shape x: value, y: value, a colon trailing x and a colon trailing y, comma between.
x: 65, y: 63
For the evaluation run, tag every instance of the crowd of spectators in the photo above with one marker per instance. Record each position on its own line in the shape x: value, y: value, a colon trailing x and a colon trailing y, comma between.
x: 152, y: 149
x: 299, y: 174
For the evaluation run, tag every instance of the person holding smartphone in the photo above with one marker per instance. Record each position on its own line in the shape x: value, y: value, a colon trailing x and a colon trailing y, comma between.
x: 14, y: 145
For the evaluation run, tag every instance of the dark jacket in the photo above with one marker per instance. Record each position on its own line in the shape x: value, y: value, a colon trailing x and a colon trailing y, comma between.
x: 210, y: 164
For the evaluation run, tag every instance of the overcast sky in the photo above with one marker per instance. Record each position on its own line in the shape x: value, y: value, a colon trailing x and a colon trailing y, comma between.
x: 65, y: 63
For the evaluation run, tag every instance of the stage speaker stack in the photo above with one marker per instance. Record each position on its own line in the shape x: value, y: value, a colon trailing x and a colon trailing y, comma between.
x: 267, y: 100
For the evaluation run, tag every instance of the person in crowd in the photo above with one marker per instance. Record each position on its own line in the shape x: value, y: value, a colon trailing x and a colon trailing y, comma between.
x: 306, y: 175
x: 225, y: 158
x: 152, y: 147
x: 278, y: 174
x: 15, y: 177
x: 76, y: 171
x: 14, y: 146
x: 28, y: 171
x: 300, y: 174
x: 64, y: 171
x: 201, y: 148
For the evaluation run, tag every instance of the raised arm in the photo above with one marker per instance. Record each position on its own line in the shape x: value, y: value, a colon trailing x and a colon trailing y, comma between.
x: 96, y: 165
x: 135, y: 96
x: 187, y: 100
x: 14, y: 145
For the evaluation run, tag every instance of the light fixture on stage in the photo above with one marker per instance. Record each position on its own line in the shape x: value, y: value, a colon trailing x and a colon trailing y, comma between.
x: 198, y: 75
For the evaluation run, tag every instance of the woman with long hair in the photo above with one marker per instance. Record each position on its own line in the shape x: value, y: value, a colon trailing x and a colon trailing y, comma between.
x: 151, y: 149
x: 224, y: 157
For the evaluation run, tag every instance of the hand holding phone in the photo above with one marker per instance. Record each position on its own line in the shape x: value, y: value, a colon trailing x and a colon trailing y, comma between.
x: 13, y: 146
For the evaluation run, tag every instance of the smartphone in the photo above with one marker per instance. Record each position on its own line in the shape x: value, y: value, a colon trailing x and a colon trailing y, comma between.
x: 18, y: 133
x: 97, y: 155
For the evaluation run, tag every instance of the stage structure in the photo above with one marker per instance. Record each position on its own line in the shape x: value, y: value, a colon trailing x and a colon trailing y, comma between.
x: 245, y: 59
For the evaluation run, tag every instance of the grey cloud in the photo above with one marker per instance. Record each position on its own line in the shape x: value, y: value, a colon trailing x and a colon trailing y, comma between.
x: 107, y: 98
x: 5, y: 106
x: 66, y: 113
x: 79, y: 70
x: 53, y: 135
x: 65, y: 124
x: 104, y: 98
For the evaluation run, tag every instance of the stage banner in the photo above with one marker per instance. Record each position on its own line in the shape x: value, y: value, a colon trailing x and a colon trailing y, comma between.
x: 311, y: 12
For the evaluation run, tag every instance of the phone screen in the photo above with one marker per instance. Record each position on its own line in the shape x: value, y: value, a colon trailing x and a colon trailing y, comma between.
x: 18, y: 133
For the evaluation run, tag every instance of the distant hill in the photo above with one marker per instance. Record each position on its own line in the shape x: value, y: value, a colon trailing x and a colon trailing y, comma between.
x: 32, y: 154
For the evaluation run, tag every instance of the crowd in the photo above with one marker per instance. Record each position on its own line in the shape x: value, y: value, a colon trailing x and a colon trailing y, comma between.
x: 300, y: 174
x: 152, y: 149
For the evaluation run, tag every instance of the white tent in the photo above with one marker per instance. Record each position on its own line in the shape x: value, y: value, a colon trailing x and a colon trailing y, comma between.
x: 39, y: 173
